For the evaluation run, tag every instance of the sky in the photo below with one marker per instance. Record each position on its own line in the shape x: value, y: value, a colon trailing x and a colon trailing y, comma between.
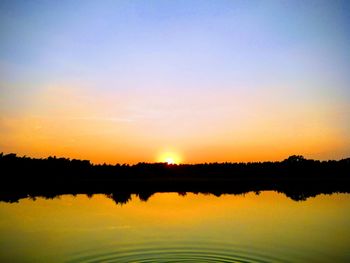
x: 193, y: 81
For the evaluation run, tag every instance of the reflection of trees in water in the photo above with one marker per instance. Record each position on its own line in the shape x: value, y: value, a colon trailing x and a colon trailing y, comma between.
x: 120, y: 198
x: 125, y: 197
x: 144, y: 196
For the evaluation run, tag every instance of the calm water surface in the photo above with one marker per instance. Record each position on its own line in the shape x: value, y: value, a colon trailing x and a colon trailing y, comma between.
x: 171, y: 228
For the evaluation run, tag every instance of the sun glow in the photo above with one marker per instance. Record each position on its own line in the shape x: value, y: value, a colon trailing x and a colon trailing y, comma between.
x: 169, y: 158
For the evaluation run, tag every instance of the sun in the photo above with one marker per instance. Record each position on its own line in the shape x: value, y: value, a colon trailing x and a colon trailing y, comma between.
x: 169, y: 158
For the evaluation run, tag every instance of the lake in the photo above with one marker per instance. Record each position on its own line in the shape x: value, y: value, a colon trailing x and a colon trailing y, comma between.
x: 172, y: 227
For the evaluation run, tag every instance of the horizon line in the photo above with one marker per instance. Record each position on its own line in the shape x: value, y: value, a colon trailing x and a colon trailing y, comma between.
x: 168, y: 164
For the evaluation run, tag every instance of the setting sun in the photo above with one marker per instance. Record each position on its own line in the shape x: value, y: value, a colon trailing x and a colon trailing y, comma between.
x: 169, y: 158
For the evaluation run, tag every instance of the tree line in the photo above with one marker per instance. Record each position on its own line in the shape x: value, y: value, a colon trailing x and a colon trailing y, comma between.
x: 296, y: 176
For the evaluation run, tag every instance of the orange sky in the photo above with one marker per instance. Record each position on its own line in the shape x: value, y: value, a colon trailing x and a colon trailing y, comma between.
x: 76, y: 123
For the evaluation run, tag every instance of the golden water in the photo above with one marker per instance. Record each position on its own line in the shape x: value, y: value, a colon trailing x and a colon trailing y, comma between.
x: 171, y: 228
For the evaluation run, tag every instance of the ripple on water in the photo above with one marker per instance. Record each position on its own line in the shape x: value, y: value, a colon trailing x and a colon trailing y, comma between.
x: 179, y: 252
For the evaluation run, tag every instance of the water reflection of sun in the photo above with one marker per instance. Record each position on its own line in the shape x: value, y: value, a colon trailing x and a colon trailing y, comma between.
x: 169, y: 158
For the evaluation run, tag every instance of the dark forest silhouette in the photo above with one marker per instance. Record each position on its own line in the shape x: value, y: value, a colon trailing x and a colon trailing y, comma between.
x: 296, y: 177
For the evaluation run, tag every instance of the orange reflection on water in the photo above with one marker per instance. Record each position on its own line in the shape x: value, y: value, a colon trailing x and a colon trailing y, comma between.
x: 43, y: 230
